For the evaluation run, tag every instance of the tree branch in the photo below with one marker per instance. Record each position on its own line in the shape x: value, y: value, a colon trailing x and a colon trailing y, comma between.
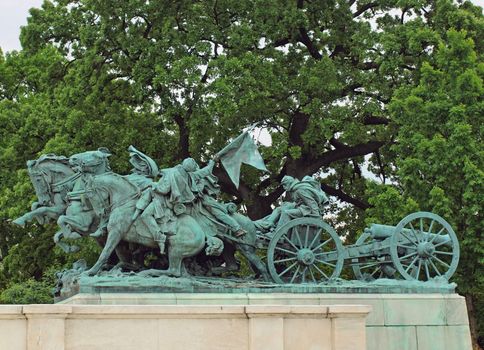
x: 342, y: 152
x: 183, y: 137
x: 345, y: 197
x: 375, y: 120
x: 306, y: 40
x: 364, y: 8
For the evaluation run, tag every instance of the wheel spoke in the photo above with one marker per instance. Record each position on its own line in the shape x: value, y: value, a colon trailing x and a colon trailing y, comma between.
x: 375, y: 271
x: 444, y: 253
x: 418, y: 269
x: 435, y: 267
x: 406, y: 246
x: 286, y: 270
x: 324, y: 262
x: 441, y: 243
x: 312, y: 274
x: 427, y: 269
x: 437, y: 234
x: 306, y: 238
x: 322, y: 244
x: 408, y: 239
x: 296, y: 232
x: 421, y: 225
x: 369, y: 265
x: 321, y: 272
x: 289, y: 241
x: 285, y: 250
x: 316, y: 236
x: 303, y: 279
x: 414, y: 232
x: 411, y: 264
x: 295, y: 274
x: 408, y: 255
x: 284, y: 260
x: 442, y: 262
x: 430, y: 228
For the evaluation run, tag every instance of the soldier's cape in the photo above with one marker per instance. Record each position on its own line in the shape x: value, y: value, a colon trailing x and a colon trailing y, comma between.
x: 241, y: 150
x: 309, y: 187
x: 140, y: 160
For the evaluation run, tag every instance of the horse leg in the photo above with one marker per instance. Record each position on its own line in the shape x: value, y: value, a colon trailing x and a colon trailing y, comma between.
x: 114, y: 237
x: 124, y: 256
x: 66, y: 223
x: 249, y: 252
x: 40, y: 212
x: 175, y: 266
x: 231, y: 264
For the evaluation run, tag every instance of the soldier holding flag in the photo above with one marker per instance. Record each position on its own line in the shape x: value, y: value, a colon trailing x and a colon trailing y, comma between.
x: 187, y: 184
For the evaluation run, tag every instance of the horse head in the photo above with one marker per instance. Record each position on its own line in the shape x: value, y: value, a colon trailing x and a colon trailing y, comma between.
x: 46, y: 173
x: 91, y: 162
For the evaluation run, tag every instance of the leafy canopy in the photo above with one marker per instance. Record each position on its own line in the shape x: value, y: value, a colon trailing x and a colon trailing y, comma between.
x: 349, y: 90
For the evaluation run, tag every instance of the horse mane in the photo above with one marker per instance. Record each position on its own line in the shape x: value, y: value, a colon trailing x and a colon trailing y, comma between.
x: 56, y: 162
x: 115, y: 175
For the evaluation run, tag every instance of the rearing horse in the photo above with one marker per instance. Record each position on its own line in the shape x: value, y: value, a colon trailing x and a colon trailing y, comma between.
x: 119, y: 197
x: 52, y: 178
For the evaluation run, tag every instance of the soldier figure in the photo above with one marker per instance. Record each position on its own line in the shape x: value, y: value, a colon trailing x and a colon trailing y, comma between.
x: 204, y: 185
x: 305, y: 199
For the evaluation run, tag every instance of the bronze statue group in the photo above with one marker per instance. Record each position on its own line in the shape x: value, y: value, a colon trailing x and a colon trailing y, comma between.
x: 176, y: 210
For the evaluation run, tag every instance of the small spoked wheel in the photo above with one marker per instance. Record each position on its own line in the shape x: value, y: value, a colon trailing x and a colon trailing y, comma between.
x: 423, y: 247
x: 305, y: 250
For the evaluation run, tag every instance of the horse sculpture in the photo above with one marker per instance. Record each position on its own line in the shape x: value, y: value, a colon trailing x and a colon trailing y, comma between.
x: 87, y: 198
x: 52, y: 177
x: 120, y: 196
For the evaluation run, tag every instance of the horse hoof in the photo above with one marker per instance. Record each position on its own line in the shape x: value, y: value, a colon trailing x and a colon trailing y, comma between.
x: 91, y: 272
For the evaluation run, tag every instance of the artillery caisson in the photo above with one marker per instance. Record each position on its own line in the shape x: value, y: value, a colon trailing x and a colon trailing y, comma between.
x: 307, y: 250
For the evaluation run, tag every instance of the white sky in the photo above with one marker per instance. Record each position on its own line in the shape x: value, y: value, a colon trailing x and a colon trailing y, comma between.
x: 13, y: 14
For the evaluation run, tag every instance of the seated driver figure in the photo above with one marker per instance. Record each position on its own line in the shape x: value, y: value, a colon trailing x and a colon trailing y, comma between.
x: 305, y: 199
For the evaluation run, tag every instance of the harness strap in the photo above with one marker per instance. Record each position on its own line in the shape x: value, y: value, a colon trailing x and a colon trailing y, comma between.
x: 73, y: 177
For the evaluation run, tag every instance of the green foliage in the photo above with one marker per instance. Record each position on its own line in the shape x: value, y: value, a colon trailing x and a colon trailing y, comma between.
x: 28, y: 292
x: 440, y: 156
x: 389, y: 205
x: 394, y: 87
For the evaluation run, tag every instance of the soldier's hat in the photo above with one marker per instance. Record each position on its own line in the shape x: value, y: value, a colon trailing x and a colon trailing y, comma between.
x: 137, y: 158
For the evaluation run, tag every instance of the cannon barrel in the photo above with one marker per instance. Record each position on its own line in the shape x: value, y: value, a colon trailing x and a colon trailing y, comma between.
x: 380, y: 232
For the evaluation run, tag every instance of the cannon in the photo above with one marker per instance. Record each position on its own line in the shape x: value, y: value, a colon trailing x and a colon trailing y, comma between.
x: 421, y: 247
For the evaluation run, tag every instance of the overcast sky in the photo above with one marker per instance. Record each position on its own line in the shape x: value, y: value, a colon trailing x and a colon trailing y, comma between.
x: 13, y: 14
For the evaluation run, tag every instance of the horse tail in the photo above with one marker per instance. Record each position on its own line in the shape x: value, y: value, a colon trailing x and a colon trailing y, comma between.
x: 215, y: 246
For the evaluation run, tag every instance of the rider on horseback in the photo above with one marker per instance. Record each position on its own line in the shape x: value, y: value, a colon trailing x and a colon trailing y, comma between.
x: 204, y: 185
x: 179, y: 187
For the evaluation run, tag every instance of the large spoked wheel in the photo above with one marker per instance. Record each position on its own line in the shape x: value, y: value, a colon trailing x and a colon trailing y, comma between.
x: 305, y: 250
x: 371, y: 268
x: 424, y: 246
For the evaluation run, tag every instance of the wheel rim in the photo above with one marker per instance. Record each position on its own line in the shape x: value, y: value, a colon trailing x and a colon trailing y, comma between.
x: 305, y: 250
x: 424, y: 246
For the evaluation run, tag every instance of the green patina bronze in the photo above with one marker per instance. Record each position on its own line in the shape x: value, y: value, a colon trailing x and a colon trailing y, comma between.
x: 177, y: 214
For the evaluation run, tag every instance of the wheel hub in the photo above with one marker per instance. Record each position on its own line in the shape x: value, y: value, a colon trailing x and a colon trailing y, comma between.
x: 425, y: 249
x: 305, y: 256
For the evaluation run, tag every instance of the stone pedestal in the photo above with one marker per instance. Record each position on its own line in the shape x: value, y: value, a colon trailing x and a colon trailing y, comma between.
x: 245, y: 321
x: 181, y: 327
x: 396, y: 321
